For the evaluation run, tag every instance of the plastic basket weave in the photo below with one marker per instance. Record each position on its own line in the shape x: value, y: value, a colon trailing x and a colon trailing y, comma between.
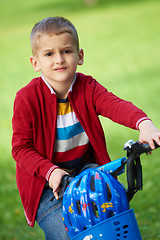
x: 120, y: 227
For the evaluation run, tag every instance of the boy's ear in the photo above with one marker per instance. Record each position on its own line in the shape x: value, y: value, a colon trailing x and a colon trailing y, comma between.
x: 35, y: 64
x: 81, y: 57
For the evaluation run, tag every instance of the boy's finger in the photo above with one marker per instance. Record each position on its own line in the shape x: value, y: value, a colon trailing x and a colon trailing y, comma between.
x: 151, y: 144
x: 157, y: 140
x: 55, y: 194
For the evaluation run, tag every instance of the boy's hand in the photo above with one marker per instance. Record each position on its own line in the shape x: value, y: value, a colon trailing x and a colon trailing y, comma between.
x: 149, y: 133
x: 55, y: 180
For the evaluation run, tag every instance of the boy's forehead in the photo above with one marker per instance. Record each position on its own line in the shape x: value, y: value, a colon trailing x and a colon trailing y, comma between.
x: 52, y: 34
x: 46, y: 39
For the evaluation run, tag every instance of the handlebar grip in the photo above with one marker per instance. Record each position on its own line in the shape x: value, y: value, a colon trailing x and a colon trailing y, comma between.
x: 66, y: 179
x: 147, y: 148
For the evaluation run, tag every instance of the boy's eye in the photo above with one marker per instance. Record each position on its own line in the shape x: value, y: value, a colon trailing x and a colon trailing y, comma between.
x: 49, y: 54
x: 67, y: 51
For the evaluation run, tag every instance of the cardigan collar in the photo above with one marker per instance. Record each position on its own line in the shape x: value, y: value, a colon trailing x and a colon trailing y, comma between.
x: 51, y: 89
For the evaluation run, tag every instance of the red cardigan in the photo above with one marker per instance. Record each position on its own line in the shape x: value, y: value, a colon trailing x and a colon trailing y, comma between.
x: 34, y: 129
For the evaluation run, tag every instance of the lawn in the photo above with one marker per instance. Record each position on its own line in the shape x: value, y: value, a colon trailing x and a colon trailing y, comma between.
x: 122, y: 51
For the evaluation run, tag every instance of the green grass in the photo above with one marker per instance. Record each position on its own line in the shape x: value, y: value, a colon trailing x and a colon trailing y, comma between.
x: 121, y: 44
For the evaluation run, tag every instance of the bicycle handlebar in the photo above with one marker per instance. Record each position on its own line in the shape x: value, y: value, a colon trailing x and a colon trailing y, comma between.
x: 134, y: 168
x: 148, y: 148
x: 138, y: 148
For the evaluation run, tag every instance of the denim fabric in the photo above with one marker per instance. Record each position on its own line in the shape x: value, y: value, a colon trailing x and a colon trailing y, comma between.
x: 49, y: 217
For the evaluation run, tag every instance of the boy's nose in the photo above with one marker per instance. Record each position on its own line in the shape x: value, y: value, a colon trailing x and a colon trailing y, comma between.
x: 59, y: 58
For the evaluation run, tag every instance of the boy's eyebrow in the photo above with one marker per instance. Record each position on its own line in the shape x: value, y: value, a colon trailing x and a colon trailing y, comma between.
x: 49, y: 49
x: 52, y: 49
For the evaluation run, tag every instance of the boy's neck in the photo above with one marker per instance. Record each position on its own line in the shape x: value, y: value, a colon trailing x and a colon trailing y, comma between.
x: 61, y: 89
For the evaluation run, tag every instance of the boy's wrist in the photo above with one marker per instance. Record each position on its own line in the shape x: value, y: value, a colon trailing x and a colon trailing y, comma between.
x: 142, y: 120
x: 50, y: 172
x: 145, y: 123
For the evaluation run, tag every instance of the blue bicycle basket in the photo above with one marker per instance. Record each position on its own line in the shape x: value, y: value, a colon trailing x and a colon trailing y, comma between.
x: 92, y: 197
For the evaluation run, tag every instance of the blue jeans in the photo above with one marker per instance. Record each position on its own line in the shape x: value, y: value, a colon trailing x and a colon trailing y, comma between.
x: 49, y: 217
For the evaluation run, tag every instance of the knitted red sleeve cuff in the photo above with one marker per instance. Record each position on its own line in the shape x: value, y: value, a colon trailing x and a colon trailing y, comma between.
x: 50, y: 171
x: 141, y: 120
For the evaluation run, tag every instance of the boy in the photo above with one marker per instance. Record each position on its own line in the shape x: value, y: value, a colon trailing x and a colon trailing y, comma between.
x: 56, y: 129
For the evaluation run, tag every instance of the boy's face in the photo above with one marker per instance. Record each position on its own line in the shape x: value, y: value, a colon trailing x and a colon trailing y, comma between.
x: 57, y: 58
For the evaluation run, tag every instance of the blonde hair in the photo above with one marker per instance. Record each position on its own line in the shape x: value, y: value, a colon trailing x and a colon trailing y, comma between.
x: 53, y: 25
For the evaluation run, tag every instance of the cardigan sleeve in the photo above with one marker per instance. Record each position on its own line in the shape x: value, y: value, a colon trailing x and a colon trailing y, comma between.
x: 23, y: 149
x: 118, y: 110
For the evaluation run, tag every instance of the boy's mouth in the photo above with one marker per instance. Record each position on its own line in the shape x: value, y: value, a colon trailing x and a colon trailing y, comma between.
x: 60, y: 69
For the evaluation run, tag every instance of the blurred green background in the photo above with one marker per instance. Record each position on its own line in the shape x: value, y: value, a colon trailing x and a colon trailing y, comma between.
x: 121, y: 42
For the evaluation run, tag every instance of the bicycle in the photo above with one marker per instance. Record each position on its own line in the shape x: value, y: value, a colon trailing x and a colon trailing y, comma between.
x: 120, y: 222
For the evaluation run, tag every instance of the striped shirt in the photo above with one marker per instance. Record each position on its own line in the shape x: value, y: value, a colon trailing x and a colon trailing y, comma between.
x: 72, y: 142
